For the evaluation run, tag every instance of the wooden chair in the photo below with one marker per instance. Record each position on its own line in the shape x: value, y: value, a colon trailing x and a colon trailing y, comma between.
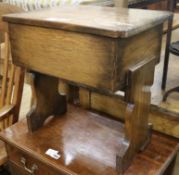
x: 174, y: 49
x: 12, y: 80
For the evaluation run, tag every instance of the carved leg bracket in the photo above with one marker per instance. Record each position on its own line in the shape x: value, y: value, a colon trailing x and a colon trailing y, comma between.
x: 48, y: 101
x: 137, y: 129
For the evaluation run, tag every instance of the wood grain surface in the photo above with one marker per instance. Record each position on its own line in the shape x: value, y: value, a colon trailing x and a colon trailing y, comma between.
x: 103, y: 58
x: 106, y: 21
x: 163, y: 121
x: 90, y: 150
x: 88, y: 60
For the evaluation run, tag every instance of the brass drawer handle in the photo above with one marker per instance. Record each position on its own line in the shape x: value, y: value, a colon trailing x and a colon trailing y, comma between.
x: 29, y: 170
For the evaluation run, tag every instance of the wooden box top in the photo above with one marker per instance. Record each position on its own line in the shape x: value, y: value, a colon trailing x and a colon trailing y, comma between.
x: 88, y: 144
x: 106, y: 21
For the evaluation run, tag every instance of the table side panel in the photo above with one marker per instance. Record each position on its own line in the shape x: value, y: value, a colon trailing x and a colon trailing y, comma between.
x: 134, y: 50
x: 95, y: 61
x: 85, y: 59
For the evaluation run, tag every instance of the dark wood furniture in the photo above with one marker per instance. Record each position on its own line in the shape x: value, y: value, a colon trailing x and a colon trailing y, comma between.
x: 99, y: 48
x: 90, y: 150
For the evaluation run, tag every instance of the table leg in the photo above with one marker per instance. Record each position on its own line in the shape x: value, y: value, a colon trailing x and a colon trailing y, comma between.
x: 172, y: 5
x: 138, y: 98
x: 48, y: 101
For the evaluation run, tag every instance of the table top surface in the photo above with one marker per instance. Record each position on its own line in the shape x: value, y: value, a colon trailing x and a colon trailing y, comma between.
x: 106, y: 21
x: 88, y: 144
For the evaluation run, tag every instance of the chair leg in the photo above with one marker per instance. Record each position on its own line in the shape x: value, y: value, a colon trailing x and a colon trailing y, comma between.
x: 176, y: 89
x: 171, y: 7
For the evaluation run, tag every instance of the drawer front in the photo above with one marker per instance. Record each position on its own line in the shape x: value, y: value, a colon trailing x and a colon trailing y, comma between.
x: 17, y: 170
x: 23, y: 164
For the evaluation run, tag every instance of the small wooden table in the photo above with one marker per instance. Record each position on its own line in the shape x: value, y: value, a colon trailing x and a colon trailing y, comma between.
x: 98, y: 48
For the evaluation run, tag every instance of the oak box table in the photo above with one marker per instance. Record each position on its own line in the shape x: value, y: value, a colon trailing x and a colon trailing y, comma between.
x: 100, y: 48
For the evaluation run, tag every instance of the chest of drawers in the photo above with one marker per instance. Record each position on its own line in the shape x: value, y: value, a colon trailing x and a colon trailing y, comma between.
x: 91, y: 150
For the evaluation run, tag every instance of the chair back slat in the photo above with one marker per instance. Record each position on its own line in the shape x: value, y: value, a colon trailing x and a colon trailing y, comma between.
x: 10, y: 85
x: 5, y: 72
x: 4, y: 124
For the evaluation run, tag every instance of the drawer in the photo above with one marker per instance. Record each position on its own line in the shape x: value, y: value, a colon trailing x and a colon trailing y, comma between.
x: 17, y: 170
x: 23, y: 164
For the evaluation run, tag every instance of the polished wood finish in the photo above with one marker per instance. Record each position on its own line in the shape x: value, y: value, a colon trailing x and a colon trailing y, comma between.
x: 163, y: 120
x: 17, y: 167
x: 138, y: 105
x: 92, y: 55
x: 90, y: 150
x: 68, y: 58
x: 107, y: 69
x: 102, y: 21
